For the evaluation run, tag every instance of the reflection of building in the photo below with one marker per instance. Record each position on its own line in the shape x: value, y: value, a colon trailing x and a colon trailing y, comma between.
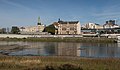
x: 69, y: 27
x: 68, y: 49
x: 33, y: 29
x: 99, y: 50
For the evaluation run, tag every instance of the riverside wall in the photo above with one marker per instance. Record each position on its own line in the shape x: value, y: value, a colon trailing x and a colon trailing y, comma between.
x: 28, y: 36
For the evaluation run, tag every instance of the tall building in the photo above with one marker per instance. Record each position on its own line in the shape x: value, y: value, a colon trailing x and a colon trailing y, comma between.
x: 69, y: 27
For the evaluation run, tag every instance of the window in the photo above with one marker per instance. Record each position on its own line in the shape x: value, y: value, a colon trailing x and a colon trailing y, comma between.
x: 72, y: 28
x: 63, y: 28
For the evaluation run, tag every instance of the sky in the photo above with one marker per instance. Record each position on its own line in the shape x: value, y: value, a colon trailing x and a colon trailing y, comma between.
x: 26, y: 12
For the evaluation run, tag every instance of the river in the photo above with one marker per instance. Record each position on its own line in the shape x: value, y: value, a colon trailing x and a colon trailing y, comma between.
x: 90, y: 50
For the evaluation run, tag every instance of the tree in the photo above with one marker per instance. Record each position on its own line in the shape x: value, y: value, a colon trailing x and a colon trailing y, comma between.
x: 3, y: 31
x: 15, y: 30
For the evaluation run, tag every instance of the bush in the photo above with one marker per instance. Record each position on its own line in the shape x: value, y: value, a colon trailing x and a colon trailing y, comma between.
x: 69, y: 67
x: 64, y: 67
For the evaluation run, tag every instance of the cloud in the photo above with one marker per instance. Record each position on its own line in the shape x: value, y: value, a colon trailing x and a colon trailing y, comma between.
x: 10, y: 2
x: 109, y: 12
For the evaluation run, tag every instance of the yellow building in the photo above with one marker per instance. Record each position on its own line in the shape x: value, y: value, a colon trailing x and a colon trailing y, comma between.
x: 69, y: 27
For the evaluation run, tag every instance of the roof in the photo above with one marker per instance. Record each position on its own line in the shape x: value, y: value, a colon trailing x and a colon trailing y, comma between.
x: 111, y: 24
x: 97, y: 24
x: 70, y: 22
x: 22, y: 27
x: 55, y: 23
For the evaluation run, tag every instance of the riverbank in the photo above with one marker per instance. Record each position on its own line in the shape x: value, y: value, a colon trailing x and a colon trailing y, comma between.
x: 57, y: 63
x: 6, y: 49
x: 69, y: 39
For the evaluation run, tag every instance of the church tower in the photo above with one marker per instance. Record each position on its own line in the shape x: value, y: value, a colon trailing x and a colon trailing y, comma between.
x: 39, y: 23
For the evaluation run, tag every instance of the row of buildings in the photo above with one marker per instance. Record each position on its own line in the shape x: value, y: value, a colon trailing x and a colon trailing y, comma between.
x: 61, y: 27
x: 69, y: 28
x: 109, y: 24
x: 110, y: 27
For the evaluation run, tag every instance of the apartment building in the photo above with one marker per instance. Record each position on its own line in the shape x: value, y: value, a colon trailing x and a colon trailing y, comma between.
x: 69, y: 27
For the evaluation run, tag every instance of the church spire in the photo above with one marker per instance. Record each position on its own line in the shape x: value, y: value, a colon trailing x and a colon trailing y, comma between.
x: 39, y: 23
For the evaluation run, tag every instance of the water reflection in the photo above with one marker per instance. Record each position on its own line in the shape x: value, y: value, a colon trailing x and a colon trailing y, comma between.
x: 67, y: 49
x: 99, y: 50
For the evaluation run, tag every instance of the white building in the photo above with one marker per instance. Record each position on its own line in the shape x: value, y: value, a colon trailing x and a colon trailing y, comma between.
x: 93, y: 26
x: 38, y: 29
x: 111, y: 24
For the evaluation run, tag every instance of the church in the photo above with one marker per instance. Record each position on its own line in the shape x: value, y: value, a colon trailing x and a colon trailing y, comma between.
x: 38, y: 29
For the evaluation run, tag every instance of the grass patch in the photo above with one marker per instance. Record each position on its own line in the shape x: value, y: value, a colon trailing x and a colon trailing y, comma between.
x: 51, y: 39
x: 57, y: 63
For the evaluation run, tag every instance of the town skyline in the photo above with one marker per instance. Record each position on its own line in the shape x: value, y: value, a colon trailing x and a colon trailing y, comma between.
x: 25, y: 13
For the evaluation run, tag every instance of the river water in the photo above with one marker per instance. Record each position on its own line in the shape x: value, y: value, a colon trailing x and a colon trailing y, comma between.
x: 93, y: 50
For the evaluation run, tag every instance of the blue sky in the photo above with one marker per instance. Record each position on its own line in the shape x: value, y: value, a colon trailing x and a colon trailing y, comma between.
x: 26, y: 12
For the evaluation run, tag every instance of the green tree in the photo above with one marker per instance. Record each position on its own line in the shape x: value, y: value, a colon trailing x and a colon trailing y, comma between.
x: 15, y: 30
x: 3, y: 31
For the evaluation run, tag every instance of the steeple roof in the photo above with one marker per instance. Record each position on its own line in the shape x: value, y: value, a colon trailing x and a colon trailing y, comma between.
x: 39, y: 23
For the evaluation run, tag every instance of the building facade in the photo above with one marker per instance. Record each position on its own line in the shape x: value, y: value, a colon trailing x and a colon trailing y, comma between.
x: 93, y: 26
x: 38, y: 29
x: 69, y: 27
x: 110, y: 24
